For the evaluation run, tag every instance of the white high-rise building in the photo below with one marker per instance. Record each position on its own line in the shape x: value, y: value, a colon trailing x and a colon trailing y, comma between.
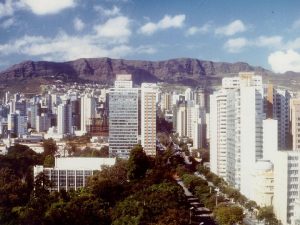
x: 286, y: 185
x: 148, y: 120
x: 123, y: 117
x: 236, y: 114
x: 218, y: 133
x: 88, y: 112
x: 64, y: 119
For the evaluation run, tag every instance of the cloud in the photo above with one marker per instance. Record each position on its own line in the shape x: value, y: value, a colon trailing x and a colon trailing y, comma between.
x: 78, y: 24
x: 7, y: 23
x: 6, y: 8
x: 199, y: 30
x: 146, y: 49
x: 296, y: 24
x: 115, y: 29
x: 166, y: 22
x: 233, y: 28
x: 235, y: 45
x: 115, y: 11
x: 294, y: 44
x: 109, y: 39
x: 44, y: 7
x: 63, y: 47
x: 271, y: 41
x: 283, y: 61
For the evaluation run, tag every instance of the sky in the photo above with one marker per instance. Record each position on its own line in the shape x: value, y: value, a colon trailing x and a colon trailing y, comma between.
x: 262, y: 33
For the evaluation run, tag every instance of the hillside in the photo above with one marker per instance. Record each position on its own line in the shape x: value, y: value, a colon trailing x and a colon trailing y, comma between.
x: 194, y: 72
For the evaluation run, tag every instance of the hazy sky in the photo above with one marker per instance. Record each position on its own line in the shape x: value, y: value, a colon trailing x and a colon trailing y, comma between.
x: 260, y: 32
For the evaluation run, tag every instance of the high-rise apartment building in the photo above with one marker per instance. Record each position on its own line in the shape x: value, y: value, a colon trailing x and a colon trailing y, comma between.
x: 236, y: 114
x: 123, y: 116
x: 148, y: 117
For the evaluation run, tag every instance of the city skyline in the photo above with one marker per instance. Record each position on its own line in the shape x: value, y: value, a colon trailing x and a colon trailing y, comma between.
x: 259, y: 33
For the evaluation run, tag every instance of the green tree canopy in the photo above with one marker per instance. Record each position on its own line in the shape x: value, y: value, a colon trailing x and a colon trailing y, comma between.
x: 138, y: 163
x: 50, y: 147
x: 228, y: 215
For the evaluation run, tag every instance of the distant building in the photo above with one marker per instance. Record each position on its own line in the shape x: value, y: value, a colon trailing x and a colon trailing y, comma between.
x: 64, y: 118
x: 35, y: 111
x: 43, y: 122
x: 72, y: 173
x: 88, y: 111
x: 17, y: 124
x: 166, y: 102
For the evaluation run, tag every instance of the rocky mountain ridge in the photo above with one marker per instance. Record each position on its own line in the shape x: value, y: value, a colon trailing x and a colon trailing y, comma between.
x: 185, y: 71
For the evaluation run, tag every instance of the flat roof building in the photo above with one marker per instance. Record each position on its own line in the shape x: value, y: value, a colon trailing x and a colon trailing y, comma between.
x: 71, y: 173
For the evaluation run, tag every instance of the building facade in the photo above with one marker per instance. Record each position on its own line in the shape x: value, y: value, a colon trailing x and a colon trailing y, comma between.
x: 123, y: 117
x: 64, y: 118
x: 236, y: 115
x: 286, y: 185
x: 72, y: 173
x: 148, y: 118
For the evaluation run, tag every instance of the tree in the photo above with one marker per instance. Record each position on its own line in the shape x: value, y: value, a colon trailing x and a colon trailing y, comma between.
x: 173, y: 217
x: 204, y: 154
x: 267, y: 214
x: 12, y: 190
x: 116, y: 173
x: 49, y: 161
x: 104, y: 151
x: 50, y: 147
x: 138, y: 163
x: 105, y: 189
x: 228, y: 215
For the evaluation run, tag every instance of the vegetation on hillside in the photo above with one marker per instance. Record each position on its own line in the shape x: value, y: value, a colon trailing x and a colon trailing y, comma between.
x: 138, y: 191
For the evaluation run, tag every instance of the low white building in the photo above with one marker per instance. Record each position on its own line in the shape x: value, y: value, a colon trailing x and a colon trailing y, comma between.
x: 263, y: 180
x: 71, y: 173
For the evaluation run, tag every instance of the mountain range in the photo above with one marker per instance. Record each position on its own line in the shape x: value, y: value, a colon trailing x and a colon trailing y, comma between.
x: 29, y: 75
